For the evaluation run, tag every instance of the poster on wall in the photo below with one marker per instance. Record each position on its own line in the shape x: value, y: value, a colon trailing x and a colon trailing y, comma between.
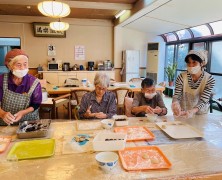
x: 51, y: 50
x: 79, y: 52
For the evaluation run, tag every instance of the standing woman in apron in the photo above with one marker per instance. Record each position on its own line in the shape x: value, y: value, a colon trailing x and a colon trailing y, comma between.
x: 194, y: 87
x: 20, y: 93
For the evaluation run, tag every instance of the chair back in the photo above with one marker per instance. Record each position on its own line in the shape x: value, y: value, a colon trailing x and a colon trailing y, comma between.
x: 121, y: 93
x: 77, y: 94
x: 61, y: 100
x: 136, y: 80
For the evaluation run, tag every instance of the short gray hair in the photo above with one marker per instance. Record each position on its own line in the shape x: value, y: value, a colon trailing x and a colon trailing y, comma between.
x: 102, y: 79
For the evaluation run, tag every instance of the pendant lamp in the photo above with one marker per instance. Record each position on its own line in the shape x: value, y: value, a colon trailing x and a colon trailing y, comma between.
x: 59, y: 26
x: 54, y: 9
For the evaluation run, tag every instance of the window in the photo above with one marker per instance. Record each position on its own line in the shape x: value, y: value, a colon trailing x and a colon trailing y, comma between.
x: 183, y: 34
x: 217, y: 27
x: 218, y: 88
x: 170, y: 37
x: 182, y: 52
x: 199, y: 31
x: 6, y: 44
x: 170, y: 50
x: 216, y: 56
x: 198, y: 46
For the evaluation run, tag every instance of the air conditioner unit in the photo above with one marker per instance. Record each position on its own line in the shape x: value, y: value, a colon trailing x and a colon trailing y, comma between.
x: 152, y: 60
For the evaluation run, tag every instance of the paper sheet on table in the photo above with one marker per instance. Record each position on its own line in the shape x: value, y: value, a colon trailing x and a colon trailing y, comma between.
x: 89, y: 125
x: 70, y: 146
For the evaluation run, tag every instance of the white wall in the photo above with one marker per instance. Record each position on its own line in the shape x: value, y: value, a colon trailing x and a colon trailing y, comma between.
x: 135, y: 40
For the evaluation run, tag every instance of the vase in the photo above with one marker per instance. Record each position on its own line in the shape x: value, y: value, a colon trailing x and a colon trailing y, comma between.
x: 171, y: 83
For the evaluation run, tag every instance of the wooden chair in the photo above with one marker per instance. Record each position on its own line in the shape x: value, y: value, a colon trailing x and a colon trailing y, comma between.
x: 54, y: 103
x: 121, y: 93
x: 136, y: 80
x: 76, y: 100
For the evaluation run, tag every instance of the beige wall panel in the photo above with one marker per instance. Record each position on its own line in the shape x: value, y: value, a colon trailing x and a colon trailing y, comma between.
x: 96, y: 36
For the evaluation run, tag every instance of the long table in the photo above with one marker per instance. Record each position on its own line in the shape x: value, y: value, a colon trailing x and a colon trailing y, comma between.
x: 54, y: 90
x: 191, y: 158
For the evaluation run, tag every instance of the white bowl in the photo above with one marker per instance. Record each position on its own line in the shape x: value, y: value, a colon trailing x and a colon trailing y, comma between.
x: 107, y: 123
x: 151, y: 117
x: 107, y: 160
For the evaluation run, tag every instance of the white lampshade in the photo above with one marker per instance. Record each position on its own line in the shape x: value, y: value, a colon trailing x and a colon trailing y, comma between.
x: 59, y: 26
x: 54, y: 9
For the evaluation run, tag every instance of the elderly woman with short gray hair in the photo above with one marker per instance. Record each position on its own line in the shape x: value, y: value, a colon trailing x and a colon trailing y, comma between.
x: 100, y: 103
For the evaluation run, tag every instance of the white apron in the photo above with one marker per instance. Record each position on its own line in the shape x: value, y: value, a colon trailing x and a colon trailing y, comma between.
x: 191, y: 97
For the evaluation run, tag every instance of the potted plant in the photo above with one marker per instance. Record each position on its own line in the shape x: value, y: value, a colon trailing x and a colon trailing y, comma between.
x: 171, y: 72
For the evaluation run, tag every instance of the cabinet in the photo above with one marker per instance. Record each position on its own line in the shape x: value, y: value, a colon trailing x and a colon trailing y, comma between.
x: 58, y: 77
x: 51, y: 77
x: 62, y: 76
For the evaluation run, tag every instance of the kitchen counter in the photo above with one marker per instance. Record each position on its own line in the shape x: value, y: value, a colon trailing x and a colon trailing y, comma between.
x: 190, y: 158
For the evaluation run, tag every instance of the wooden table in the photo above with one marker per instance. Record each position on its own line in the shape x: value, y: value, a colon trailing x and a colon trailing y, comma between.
x: 191, y: 158
x: 54, y: 90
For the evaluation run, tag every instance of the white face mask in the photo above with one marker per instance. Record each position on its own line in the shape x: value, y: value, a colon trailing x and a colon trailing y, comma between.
x: 193, y: 70
x: 20, y: 73
x: 150, y: 96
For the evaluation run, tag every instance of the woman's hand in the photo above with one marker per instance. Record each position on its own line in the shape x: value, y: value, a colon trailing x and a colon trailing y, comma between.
x: 100, y: 115
x: 8, y: 118
x: 88, y: 113
x: 176, y: 108
x: 18, y: 116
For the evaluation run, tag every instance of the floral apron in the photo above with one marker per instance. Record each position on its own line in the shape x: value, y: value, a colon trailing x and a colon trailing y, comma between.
x: 14, y: 102
x: 191, y: 97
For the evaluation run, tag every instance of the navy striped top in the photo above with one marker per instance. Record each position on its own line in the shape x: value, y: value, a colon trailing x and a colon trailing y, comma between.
x: 205, y: 96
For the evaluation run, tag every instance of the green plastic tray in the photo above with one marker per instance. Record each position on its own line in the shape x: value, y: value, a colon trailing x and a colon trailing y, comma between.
x: 32, y: 149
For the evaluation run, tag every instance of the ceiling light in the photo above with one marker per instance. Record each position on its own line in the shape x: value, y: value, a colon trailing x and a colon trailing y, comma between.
x: 54, y: 9
x: 120, y: 13
x: 59, y: 26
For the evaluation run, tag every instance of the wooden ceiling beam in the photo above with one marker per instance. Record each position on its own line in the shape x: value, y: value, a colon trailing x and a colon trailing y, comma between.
x: 75, y: 4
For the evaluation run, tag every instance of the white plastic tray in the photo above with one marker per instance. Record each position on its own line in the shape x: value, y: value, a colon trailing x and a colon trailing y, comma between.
x: 179, y: 130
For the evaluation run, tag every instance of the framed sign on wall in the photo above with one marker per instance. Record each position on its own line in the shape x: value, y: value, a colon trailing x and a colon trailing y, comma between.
x: 44, y: 30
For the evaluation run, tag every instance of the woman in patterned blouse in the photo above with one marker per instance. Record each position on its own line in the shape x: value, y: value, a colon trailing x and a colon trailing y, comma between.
x: 100, y: 103
x: 194, y: 87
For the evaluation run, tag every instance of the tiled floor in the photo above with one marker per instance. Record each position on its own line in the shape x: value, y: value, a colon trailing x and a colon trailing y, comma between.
x: 168, y: 100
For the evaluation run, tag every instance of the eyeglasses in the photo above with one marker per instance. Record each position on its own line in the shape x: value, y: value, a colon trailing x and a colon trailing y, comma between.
x: 101, y: 88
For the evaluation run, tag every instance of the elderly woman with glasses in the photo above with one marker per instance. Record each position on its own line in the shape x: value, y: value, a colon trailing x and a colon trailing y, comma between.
x: 100, y: 103
x: 148, y: 101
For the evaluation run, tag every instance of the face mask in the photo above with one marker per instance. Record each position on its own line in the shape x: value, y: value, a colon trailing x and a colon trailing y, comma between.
x: 20, y: 73
x: 150, y: 96
x: 193, y: 70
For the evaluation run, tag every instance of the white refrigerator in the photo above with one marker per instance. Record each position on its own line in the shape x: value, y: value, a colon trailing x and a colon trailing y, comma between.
x: 131, y: 62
